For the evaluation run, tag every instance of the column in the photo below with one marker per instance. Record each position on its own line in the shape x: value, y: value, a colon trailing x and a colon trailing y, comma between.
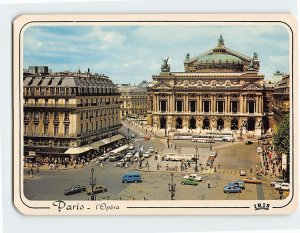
x: 226, y: 104
x: 241, y: 103
x: 230, y: 110
x: 168, y: 104
x: 159, y: 105
x: 212, y: 104
x: 154, y: 103
x: 245, y: 104
x: 186, y: 103
x: 209, y: 106
x: 200, y: 104
x: 256, y: 104
x: 259, y: 104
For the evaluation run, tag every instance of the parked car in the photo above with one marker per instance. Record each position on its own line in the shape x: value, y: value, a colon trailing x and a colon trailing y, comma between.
x: 131, y: 147
x: 75, y: 189
x: 248, y: 143
x: 252, y: 180
x: 133, y: 135
x: 131, y: 177
x: 193, y: 176
x: 97, y: 189
x: 283, y: 186
x: 232, y: 189
x: 121, y: 162
x: 279, y: 181
x: 147, y: 154
x: 128, y: 155
x: 189, y: 181
x: 242, y: 173
x: 259, y: 150
x: 238, y: 183
x: 151, y: 149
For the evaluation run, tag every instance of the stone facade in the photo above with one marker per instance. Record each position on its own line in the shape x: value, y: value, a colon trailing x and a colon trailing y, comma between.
x: 281, y: 99
x: 68, y: 110
x: 218, y: 90
x: 133, y: 100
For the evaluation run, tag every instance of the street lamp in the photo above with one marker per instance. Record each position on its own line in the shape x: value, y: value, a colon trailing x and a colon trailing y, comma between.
x: 128, y: 135
x: 172, y: 187
x: 93, y: 183
x: 196, y: 159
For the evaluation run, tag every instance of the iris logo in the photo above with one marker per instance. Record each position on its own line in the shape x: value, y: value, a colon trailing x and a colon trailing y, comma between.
x: 261, y: 206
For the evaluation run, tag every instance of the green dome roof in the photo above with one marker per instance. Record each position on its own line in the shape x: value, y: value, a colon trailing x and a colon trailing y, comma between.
x: 219, y: 58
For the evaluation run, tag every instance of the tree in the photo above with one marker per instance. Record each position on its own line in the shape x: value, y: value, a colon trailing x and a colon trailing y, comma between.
x: 282, y: 137
x: 282, y: 143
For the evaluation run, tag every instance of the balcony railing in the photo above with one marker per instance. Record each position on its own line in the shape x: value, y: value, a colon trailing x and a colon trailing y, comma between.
x: 50, y: 105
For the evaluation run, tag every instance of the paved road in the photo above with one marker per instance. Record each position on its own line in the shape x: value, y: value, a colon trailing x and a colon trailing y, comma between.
x: 49, y: 185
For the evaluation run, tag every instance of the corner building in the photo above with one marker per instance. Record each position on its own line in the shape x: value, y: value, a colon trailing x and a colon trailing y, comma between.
x: 69, y: 114
x: 219, y: 90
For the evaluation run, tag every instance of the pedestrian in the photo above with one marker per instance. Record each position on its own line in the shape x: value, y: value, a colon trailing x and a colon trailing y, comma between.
x: 101, y: 164
x: 157, y: 166
x: 167, y: 167
x: 172, y: 145
x: 208, y: 184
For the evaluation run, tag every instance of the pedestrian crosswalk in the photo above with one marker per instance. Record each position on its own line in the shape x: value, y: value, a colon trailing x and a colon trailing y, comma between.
x: 137, y: 139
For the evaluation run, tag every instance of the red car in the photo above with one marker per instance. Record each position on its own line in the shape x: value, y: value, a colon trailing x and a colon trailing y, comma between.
x: 146, y: 137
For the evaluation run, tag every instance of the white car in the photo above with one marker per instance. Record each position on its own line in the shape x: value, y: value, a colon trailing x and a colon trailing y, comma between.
x: 147, y: 154
x: 273, y: 183
x: 133, y: 135
x: 283, y: 186
x: 141, y: 135
x: 151, y: 149
x: 242, y: 173
x: 131, y: 147
x: 259, y: 150
x: 128, y: 155
x: 193, y: 176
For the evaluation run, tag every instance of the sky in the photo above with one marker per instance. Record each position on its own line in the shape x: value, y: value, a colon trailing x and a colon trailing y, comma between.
x: 131, y: 54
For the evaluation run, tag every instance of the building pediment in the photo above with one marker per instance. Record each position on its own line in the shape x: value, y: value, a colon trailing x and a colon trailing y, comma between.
x: 252, y: 86
x: 162, y: 86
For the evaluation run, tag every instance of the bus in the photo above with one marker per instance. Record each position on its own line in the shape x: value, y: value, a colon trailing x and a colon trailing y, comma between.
x: 117, y: 154
x: 182, y: 136
x: 212, y: 138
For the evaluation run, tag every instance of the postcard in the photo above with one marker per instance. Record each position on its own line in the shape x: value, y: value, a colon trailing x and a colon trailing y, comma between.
x: 169, y: 114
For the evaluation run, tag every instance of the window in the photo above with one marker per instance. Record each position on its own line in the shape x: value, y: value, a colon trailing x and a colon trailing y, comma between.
x: 56, y: 101
x: 45, y: 129
x: 206, y: 106
x: 67, y: 102
x: 192, y: 106
x: 36, y: 116
x: 55, y: 129
x: 234, y: 106
x: 179, y: 106
x: 35, y: 129
x: 67, y: 116
x: 66, y: 129
x: 25, y: 128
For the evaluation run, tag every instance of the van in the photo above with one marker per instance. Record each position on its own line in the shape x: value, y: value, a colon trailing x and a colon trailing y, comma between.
x: 131, y: 177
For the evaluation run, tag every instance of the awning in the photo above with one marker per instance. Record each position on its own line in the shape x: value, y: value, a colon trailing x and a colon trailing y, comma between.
x: 117, y: 137
x: 96, y: 145
x: 112, y: 139
x: 77, y: 150
x: 105, y: 141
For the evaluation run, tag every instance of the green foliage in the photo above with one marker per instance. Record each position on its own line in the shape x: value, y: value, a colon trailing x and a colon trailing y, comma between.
x: 282, y: 137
